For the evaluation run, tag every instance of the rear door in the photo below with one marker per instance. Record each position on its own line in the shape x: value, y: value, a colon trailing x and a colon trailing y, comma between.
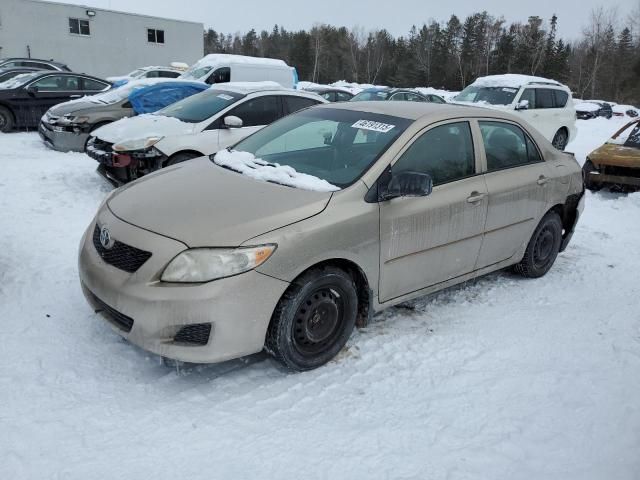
x: 428, y: 240
x: 519, y: 183
x: 293, y: 104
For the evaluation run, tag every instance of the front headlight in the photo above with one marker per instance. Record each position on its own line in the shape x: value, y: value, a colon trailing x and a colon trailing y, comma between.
x: 137, y: 144
x: 206, y: 264
x: 74, y: 119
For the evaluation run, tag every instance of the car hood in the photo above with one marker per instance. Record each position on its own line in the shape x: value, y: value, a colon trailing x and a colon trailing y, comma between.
x: 74, y: 106
x: 143, y: 126
x: 204, y: 205
x: 612, y: 154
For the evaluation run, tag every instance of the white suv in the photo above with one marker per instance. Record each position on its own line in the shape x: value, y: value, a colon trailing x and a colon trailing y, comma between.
x: 545, y: 104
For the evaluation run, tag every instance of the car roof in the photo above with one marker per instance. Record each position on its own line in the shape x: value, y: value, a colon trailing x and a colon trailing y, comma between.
x: 42, y: 73
x: 326, y: 89
x: 418, y: 110
x: 26, y: 59
x: 255, y: 87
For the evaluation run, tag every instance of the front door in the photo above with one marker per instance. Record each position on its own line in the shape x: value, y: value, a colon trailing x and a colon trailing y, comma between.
x: 49, y: 91
x: 429, y: 240
x: 255, y: 113
x: 519, y: 183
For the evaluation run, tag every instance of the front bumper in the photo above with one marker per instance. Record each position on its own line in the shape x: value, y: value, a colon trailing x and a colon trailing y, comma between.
x: 239, y: 308
x: 63, y: 141
x: 121, y: 168
x: 609, y: 179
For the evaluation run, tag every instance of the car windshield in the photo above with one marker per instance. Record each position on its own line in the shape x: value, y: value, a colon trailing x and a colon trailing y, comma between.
x: 196, y: 72
x: 201, y: 106
x: 371, y: 95
x: 490, y: 95
x: 628, y: 137
x: 18, y: 80
x: 334, y: 145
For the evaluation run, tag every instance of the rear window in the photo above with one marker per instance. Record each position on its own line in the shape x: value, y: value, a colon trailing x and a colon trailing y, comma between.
x: 201, y: 106
x: 371, y: 96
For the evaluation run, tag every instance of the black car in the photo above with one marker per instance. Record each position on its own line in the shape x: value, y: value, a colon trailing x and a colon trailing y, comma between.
x: 9, y: 73
x: 592, y: 109
x: 25, y: 98
x: 395, y: 94
x: 33, y: 63
x: 331, y: 94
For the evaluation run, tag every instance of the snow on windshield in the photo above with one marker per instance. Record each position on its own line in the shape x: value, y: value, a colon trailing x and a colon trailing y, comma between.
x: 18, y: 80
x: 247, y: 164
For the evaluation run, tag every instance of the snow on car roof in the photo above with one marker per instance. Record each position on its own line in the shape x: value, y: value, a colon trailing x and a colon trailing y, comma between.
x: 587, y: 107
x: 512, y: 80
x: 216, y: 58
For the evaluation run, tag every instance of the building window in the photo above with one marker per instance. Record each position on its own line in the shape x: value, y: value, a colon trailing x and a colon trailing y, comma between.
x: 79, y: 27
x: 155, y: 36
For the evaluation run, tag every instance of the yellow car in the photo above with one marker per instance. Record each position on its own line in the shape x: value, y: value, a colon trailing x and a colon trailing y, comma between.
x: 617, y: 162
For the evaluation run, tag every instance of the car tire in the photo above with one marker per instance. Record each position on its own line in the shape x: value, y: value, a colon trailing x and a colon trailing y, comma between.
x: 560, y: 139
x: 543, y: 248
x: 314, y: 319
x: 179, y: 158
x: 6, y: 120
x: 588, y: 184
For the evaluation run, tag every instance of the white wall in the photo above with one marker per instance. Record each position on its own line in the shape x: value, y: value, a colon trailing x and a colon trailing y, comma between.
x: 117, y: 44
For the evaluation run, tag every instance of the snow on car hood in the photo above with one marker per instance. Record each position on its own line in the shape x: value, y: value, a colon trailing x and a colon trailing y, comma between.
x: 205, y: 205
x: 72, y: 106
x: 143, y: 126
x: 247, y: 164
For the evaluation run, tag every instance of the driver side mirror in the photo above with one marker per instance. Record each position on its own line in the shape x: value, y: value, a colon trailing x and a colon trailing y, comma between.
x: 32, y: 90
x: 232, y: 122
x: 408, y: 184
x: 523, y: 105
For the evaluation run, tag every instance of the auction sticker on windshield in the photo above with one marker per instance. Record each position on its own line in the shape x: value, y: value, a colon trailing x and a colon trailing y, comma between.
x: 373, y: 126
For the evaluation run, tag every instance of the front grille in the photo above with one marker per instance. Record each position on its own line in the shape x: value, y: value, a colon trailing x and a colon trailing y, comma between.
x: 118, y: 319
x: 196, y: 334
x: 621, y: 171
x: 120, y: 255
x: 101, y: 145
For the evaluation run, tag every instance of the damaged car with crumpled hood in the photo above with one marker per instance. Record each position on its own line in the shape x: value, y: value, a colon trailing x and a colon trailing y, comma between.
x: 67, y: 126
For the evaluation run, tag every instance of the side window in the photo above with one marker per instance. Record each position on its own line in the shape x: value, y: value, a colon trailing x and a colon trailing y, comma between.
x: 258, y: 111
x: 57, y: 83
x: 343, y: 97
x: 152, y: 74
x: 444, y: 152
x: 561, y: 98
x: 220, y: 75
x: 544, y: 98
x: 436, y: 99
x: 168, y: 74
x: 529, y: 95
x: 398, y: 96
x: 293, y: 104
x: 507, y: 146
x: 43, y: 66
x: 413, y: 97
x: 89, y: 84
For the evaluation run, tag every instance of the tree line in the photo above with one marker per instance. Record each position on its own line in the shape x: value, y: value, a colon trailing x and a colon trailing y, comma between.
x: 603, y: 63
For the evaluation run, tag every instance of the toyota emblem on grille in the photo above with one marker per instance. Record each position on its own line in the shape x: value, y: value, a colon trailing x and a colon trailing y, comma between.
x: 105, y: 237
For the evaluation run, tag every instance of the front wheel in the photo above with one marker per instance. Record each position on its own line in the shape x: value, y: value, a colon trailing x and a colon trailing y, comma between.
x: 560, y: 139
x: 313, y: 319
x: 6, y: 120
x: 179, y: 158
x: 543, y: 247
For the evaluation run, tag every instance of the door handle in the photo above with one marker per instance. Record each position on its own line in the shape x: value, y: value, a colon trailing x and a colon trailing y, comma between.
x: 542, y: 180
x: 475, y: 197
x: 75, y: 96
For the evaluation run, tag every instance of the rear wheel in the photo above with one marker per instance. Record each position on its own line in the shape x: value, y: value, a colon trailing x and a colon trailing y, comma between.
x: 543, y: 247
x: 6, y: 119
x: 313, y: 319
x: 561, y: 139
x: 179, y: 158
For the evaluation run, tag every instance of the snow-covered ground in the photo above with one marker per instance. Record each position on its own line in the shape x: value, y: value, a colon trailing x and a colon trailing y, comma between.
x: 502, y: 378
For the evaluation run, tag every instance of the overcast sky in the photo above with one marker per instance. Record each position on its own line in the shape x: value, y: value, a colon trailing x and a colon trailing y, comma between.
x: 397, y: 17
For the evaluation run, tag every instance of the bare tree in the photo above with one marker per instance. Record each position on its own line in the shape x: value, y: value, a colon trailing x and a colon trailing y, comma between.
x: 601, y: 22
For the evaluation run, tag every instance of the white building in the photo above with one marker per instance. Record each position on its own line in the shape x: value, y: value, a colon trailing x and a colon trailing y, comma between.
x: 95, y: 41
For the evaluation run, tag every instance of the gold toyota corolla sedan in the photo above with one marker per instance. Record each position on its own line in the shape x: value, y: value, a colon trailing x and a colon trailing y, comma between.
x: 303, y: 230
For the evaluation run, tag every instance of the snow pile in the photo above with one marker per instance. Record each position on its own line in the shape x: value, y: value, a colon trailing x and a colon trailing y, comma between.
x: 302, y: 85
x: 247, y: 164
x: 586, y: 107
x: 512, y: 80
x: 353, y: 87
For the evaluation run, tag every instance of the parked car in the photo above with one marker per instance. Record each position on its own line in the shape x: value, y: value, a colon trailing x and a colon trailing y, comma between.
x: 590, y: 109
x: 25, y: 98
x: 312, y: 224
x: 544, y: 103
x: 625, y: 110
x: 224, y: 68
x: 331, y: 94
x: 9, y: 73
x: 67, y: 126
x: 196, y: 126
x: 146, y: 72
x: 33, y: 63
x: 617, y: 162
x: 401, y: 94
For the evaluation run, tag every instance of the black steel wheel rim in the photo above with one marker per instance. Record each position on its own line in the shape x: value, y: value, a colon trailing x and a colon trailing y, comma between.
x: 3, y: 121
x: 560, y: 140
x: 543, y: 248
x: 319, y: 321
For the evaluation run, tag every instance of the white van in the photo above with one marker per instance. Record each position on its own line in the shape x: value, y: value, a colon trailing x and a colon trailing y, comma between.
x: 223, y: 68
x: 544, y: 103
